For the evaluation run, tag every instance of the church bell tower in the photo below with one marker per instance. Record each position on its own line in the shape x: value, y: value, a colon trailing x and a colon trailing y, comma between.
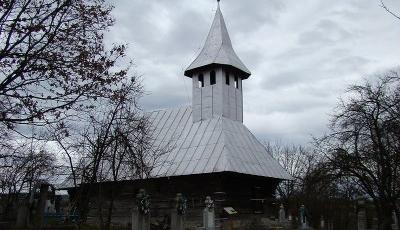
x: 217, y: 74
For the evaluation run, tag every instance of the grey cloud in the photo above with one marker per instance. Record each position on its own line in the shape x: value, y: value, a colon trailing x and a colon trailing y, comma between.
x: 252, y: 14
x: 162, y: 99
x: 351, y: 63
x: 285, y: 79
x: 313, y: 79
x: 302, y: 56
x: 326, y: 32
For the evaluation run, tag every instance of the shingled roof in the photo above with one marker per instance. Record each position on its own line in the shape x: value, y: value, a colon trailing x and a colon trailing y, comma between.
x: 218, y: 49
x: 208, y: 146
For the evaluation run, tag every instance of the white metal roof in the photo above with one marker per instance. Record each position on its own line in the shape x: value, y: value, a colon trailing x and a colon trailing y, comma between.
x: 213, y: 145
x: 218, y: 48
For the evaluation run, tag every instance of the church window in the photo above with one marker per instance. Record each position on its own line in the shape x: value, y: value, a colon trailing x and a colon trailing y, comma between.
x: 236, y: 82
x: 212, y: 77
x: 201, y: 80
x: 227, y: 78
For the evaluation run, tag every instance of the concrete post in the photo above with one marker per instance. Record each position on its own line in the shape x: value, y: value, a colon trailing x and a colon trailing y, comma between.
x: 282, y: 215
x: 136, y: 220
x: 176, y: 221
x: 139, y: 221
x: 209, y: 214
x: 361, y: 216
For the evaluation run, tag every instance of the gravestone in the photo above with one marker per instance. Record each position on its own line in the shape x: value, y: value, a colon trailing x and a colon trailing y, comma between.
x: 209, y: 214
x: 141, y: 214
x: 178, y: 213
x: 282, y: 214
x: 361, y: 216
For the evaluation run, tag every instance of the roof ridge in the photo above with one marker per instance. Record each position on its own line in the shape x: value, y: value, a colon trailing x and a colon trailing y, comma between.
x: 168, y: 108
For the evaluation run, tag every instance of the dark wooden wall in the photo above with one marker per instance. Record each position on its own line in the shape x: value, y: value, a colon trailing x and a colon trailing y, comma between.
x: 247, y: 194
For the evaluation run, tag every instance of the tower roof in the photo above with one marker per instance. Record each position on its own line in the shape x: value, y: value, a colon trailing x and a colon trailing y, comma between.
x: 218, y: 49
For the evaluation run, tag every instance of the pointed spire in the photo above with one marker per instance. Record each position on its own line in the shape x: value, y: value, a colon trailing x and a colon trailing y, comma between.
x: 218, y: 49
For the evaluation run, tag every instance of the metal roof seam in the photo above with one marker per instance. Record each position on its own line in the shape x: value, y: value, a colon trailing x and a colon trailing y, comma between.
x: 196, y: 147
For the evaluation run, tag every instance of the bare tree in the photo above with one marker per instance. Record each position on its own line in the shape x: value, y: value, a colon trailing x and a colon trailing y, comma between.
x: 52, y: 59
x: 313, y: 185
x: 21, y: 169
x: 364, y: 144
x: 297, y: 161
x: 110, y: 143
x: 119, y: 147
x: 389, y: 11
x: 56, y: 72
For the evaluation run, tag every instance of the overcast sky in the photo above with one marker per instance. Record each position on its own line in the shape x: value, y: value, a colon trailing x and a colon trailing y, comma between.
x: 302, y: 54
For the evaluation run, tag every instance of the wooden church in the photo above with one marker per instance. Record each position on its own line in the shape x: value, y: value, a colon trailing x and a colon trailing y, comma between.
x: 213, y: 153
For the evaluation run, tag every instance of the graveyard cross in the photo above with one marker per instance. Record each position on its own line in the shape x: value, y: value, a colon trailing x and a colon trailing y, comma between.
x: 180, y: 204
x: 209, y: 203
x: 143, y: 202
